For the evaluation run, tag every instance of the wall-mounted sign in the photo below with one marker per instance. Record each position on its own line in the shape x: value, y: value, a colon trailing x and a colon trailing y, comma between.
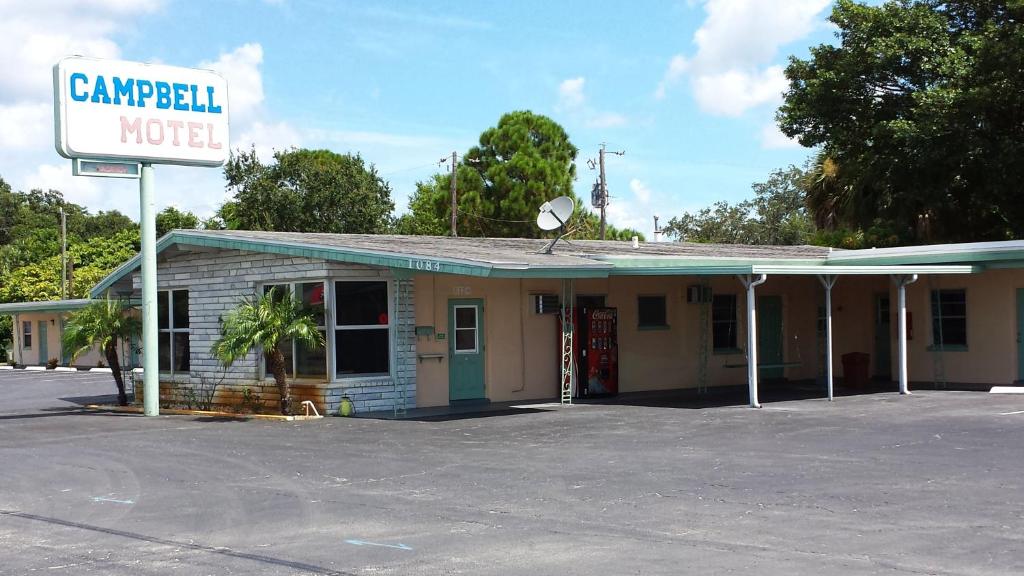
x: 107, y: 169
x: 113, y: 109
x: 425, y: 265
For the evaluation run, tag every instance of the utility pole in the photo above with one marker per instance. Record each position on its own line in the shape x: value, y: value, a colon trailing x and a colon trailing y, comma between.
x: 454, y: 188
x: 63, y: 254
x: 603, y: 184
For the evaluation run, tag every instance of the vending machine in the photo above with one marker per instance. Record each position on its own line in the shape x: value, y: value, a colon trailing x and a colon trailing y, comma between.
x: 596, y: 351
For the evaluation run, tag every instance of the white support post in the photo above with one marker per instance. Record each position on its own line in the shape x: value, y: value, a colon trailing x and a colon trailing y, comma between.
x: 828, y: 281
x: 150, y: 336
x: 901, y: 286
x: 749, y: 283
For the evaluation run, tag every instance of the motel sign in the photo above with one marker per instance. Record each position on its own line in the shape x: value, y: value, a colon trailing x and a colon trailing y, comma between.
x: 109, y: 110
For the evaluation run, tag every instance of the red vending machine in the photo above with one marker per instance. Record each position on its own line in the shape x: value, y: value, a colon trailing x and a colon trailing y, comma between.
x: 596, y: 351
x: 599, y: 352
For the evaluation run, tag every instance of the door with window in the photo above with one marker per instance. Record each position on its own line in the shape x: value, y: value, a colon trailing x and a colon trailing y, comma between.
x: 44, y: 354
x: 466, y: 350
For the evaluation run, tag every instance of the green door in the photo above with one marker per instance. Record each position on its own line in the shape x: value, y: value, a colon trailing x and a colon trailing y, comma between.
x: 1020, y: 334
x: 769, y: 337
x: 44, y: 354
x: 466, y: 350
x: 883, y: 338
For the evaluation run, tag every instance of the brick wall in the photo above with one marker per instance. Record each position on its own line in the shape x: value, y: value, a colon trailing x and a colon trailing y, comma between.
x: 218, y: 279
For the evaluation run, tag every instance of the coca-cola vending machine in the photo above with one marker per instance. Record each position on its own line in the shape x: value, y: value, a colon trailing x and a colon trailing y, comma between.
x: 596, y: 351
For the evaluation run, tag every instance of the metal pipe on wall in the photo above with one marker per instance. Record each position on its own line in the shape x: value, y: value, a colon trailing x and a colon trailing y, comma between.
x: 750, y: 284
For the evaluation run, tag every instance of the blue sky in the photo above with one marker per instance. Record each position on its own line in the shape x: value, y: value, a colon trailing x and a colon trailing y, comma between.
x: 687, y: 89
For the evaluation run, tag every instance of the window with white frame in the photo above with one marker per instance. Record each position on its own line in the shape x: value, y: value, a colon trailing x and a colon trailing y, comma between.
x: 172, y: 323
x: 26, y: 335
x: 362, y: 330
x: 300, y: 360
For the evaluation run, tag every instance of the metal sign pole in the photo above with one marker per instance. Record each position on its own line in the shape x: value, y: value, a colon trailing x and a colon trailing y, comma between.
x: 150, y: 336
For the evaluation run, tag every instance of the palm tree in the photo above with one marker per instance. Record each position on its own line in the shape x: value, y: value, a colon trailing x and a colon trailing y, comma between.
x: 102, y: 323
x: 266, y: 322
x: 828, y: 199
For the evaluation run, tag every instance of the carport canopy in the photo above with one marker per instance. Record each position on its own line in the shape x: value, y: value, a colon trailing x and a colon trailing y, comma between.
x: 828, y: 275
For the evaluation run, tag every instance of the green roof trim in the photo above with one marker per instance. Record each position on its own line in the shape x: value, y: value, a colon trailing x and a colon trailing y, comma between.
x: 43, y: 306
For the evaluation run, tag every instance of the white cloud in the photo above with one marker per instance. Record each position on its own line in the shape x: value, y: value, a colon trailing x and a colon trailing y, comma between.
x: 34, y: 35
x: 773, y: 139
x: 241, y: 68
x: 572, y: 100
x: 570, y: 93
x: 731, y: 72
x: 26, y: 126
x: 625, y: 214
x: 677, y: 67
x: 640, y: 190
x: 268, y: 137
x: 731, y: 93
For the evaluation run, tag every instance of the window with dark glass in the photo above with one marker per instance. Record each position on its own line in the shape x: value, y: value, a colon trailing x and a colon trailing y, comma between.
x: 949, y: 318
x: 362, y: 331
x: 26, y: 335
x: 651, y: 312
x: 723, y: 321
x: 300, y: 360
x: 173, y: 330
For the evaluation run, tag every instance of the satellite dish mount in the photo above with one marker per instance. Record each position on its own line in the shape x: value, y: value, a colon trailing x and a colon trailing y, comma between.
x: 556, y: 214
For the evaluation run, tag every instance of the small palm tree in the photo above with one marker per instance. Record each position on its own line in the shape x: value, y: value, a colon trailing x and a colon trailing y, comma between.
x: 266, y: 322
x: 102, y: 323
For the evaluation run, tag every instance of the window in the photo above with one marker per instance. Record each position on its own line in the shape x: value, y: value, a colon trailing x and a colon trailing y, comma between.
x: 467, y: 340
x: 299, y: 359
x: 723, y: 321
x: 651, y: 312
x: 949, y: 318
x: 26, y: 335
x: 172, y: 323
x: 362, y: 331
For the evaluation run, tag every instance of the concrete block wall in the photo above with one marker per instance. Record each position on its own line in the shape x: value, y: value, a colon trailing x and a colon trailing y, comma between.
x: 217, y: 280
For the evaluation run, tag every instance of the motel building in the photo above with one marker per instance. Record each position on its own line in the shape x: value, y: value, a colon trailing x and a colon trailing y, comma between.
x: 414, y: 321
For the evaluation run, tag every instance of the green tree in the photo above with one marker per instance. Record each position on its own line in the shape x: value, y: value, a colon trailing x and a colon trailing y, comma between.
x: 171, y: 218
x: 103, y: 324
x: 266, y: 322
x: 919, y: 109
x: 306, y: 191
x: 776, y: 215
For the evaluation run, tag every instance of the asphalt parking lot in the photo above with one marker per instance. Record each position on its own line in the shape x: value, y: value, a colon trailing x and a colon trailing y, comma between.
x: 871, y: 484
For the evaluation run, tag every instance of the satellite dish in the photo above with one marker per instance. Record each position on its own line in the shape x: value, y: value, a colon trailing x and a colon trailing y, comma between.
x: 556, y: 213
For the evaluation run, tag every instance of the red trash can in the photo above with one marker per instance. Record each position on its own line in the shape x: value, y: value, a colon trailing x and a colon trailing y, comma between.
x: 856, y: 369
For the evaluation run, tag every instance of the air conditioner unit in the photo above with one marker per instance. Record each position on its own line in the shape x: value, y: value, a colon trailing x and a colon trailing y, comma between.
x: 546, y: 304
x: 697, y: 294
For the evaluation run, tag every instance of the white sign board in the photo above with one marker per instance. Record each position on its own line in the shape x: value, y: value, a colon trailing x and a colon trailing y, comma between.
x: 111, y: 109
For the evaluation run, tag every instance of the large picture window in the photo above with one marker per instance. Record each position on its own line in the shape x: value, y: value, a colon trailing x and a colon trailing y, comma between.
x: 172, y: 320
x: 300, y: 360
x: 949, y: 318
x: 362, y: 331
x: 723, y: 322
